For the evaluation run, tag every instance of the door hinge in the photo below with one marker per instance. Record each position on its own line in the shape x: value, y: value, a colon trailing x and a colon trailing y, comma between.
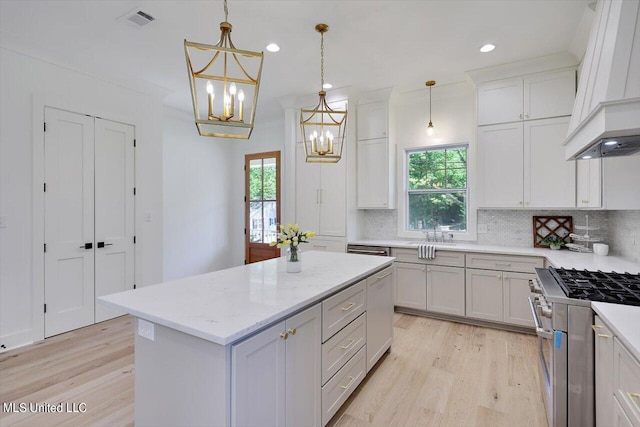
x: 45, y: 247
x: 45, y: 187
x: 134, y: 143
x: 134, y: 240
x: 45, y: 126
x: 45, y: 308
x: 134, y: 286
x: 245, y: 261
x: 245, y: 199
x: 134, y: 191
x: 245, y: 231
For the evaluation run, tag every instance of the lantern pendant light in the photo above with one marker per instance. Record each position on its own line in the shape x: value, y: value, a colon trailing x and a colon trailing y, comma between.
x: 430, y: 84
x: 224, y: 85
x: 322, y: 127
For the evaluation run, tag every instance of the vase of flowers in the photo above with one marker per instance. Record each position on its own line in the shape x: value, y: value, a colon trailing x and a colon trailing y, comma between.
x: 290, y: 237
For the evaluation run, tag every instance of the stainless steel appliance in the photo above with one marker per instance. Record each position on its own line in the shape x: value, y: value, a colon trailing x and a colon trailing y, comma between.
x: 368, y: 250
x: 561, y: 307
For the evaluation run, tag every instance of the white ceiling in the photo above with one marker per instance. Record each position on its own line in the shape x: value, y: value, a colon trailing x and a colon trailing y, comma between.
x: 370, y: 45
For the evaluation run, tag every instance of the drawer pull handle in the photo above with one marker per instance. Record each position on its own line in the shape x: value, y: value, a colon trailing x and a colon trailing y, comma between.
x: 348, y: 346
x: 595, y: 329
x: 349, y: 307
x: 284, y: 335
x: 292, y: 331
x: 348, y: 385
x: 508, y: 264
x: 383, y: 276
x: 636, y: 400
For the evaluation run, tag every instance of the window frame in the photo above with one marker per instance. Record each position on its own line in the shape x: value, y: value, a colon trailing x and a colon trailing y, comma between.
x: 403, y: 220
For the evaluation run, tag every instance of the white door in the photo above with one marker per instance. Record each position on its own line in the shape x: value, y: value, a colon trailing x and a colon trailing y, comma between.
x: 515, y: 294
x: 258, y: 379
x: 411, y: 285
x: 333, y: 198
x: 379, y: 315
x: 500, y: 160
x: 373, y: 173
x: 307, y: 192
x: 114, y: 212
x: 484, y: 294
x: 303, y: 370
x: 445, y: 289
x: 69, y: 221
x: 500, y: 102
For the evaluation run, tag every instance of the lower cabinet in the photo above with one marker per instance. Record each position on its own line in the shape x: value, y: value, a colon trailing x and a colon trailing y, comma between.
x: 276, y: 374
x: 498, y: 296
x: 411, y: 285
x: 604, y: 372
x: 379, y: 315
x: 620, y: 419
x: 445, y: 290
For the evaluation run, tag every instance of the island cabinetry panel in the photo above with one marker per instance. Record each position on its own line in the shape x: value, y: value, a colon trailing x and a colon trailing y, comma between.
x: 603, y: 341
x: 342, y: 346
x: 339, y: 388
x: 626, y: 381
x: 379, y: 315
x: 445, y: 290
x: 276, y: 374
x: 339, y: 310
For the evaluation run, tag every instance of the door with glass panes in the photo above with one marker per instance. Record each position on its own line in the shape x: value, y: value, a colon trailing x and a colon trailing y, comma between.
x: 262, y: 205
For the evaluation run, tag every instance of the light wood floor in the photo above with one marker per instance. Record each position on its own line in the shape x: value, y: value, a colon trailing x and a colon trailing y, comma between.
x: 437, y: 374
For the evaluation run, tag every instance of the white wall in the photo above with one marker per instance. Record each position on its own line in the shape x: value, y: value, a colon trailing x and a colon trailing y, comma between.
x: 23, y: 82
x: 197, y: 192
x: 454, y: 119
x: 265, y: 137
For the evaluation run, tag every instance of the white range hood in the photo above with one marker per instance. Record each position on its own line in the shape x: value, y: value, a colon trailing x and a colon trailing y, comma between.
x: 607, y: 103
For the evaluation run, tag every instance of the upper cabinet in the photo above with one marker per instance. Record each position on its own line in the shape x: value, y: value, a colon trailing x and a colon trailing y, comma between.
x: 375, y: 175
x: 589, y: 183
x: 529, y: 98
x: 522, y: 123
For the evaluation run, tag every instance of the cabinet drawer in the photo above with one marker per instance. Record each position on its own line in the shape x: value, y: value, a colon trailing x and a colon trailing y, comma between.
x: 342, y: 346
x: 626, y: 381
x: 443, y: 257
x: 339, y: 310
x: 340, y: 387
x: 328, y: 244
x: 522, y: 264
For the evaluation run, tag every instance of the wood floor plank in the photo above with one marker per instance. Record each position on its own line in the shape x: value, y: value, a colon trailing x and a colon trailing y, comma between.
x: 438, y: 374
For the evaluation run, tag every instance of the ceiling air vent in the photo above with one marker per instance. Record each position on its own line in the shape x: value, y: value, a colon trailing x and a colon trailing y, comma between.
x: 140, y: 18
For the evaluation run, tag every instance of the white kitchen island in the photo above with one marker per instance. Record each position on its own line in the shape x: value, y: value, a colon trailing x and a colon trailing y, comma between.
x: 254, y: 345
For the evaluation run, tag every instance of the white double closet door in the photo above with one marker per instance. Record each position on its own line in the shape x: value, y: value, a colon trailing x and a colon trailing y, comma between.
x: 88, y: 217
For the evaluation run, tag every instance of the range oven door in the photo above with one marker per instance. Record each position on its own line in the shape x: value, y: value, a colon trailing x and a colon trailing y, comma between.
x: 552, y: 368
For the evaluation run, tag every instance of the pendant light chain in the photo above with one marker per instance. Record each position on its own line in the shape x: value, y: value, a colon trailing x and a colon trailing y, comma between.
x: 226, y: 12
x: 322, y: 61
x: 430, y: 103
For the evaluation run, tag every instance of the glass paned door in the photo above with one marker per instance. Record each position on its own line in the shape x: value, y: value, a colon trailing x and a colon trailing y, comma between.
x: 262, y: 207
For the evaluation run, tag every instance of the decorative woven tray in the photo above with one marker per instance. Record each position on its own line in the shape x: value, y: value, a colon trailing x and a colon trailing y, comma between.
x: 544, y: 226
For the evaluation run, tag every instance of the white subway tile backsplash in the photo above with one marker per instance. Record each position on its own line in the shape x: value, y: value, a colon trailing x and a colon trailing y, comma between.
x: 624, y: 235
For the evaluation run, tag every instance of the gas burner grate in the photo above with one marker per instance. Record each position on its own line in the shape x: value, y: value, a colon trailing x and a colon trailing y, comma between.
x: 617, y: 288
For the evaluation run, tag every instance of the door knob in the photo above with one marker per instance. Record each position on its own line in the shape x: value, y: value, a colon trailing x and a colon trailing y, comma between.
x: 103, y: 244
x: 87, y: 246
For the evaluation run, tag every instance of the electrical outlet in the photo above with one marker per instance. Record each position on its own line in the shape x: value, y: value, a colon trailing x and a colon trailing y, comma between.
x: 146, y: 329
x: 482, y: 228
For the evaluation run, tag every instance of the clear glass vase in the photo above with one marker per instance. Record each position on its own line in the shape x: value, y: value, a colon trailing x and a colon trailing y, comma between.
x: 294, y: 260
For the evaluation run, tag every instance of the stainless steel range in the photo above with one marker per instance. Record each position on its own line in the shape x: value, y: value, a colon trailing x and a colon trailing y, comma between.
x: 561, y: 307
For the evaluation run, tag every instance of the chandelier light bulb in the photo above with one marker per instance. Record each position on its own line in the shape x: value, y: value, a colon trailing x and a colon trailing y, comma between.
x: 232, y: 89
x: 210, y: 88
x: 241, y: 95
x: 430, y: 129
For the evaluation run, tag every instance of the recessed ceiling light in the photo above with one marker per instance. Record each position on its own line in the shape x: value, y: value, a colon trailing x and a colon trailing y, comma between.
x: 487, y: 48
x: 611, y: 143
x: 327, y: 86
x: 586, y: 157
x: 272, y: 47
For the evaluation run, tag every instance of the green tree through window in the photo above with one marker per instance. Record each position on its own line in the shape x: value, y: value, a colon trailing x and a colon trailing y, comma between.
x: 437, y: 188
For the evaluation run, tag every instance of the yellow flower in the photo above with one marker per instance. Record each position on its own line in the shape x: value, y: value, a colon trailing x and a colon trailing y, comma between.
x: 286, y: 242
x: 281, y: 227
x: 272, y: 243
x: 296, y: 228
x: 310, y: 233
x: 289, y: 226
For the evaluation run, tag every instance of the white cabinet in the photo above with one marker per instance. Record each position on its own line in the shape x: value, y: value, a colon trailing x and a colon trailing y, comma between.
x: 276, y: 374
x: 589, y: 183
x: 326, y: 244
x: 515, y: 294
x: 321, y: 196
x: 529, y: 98
x: 620, y: 178
x: 620, y: 419
x: 411, y: 285
x: 379, y: 315
x: 445, y: 290
x: 484, y: 295
x: 604, y: 372
x: 375, y: 173
x: 522, y: 165
x: 626, y: 381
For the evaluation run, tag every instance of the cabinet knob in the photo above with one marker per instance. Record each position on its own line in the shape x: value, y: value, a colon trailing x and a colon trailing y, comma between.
x: 519, y: 203
x: 284, y: 335
x: 520, y: 115
x: 291, y: 331
x: 527, y: 115
x: 506, y: 277
x: 499, y: 276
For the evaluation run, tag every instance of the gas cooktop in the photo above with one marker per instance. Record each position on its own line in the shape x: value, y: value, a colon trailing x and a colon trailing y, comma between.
x: 619, y: 288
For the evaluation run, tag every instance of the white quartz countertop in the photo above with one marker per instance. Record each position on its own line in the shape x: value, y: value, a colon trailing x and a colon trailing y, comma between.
x: 624, y: 322
x: 560, y: 258
x: 225, y: 306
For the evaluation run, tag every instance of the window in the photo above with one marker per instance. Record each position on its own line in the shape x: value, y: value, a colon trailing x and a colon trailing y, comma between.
x: 437, y: 188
